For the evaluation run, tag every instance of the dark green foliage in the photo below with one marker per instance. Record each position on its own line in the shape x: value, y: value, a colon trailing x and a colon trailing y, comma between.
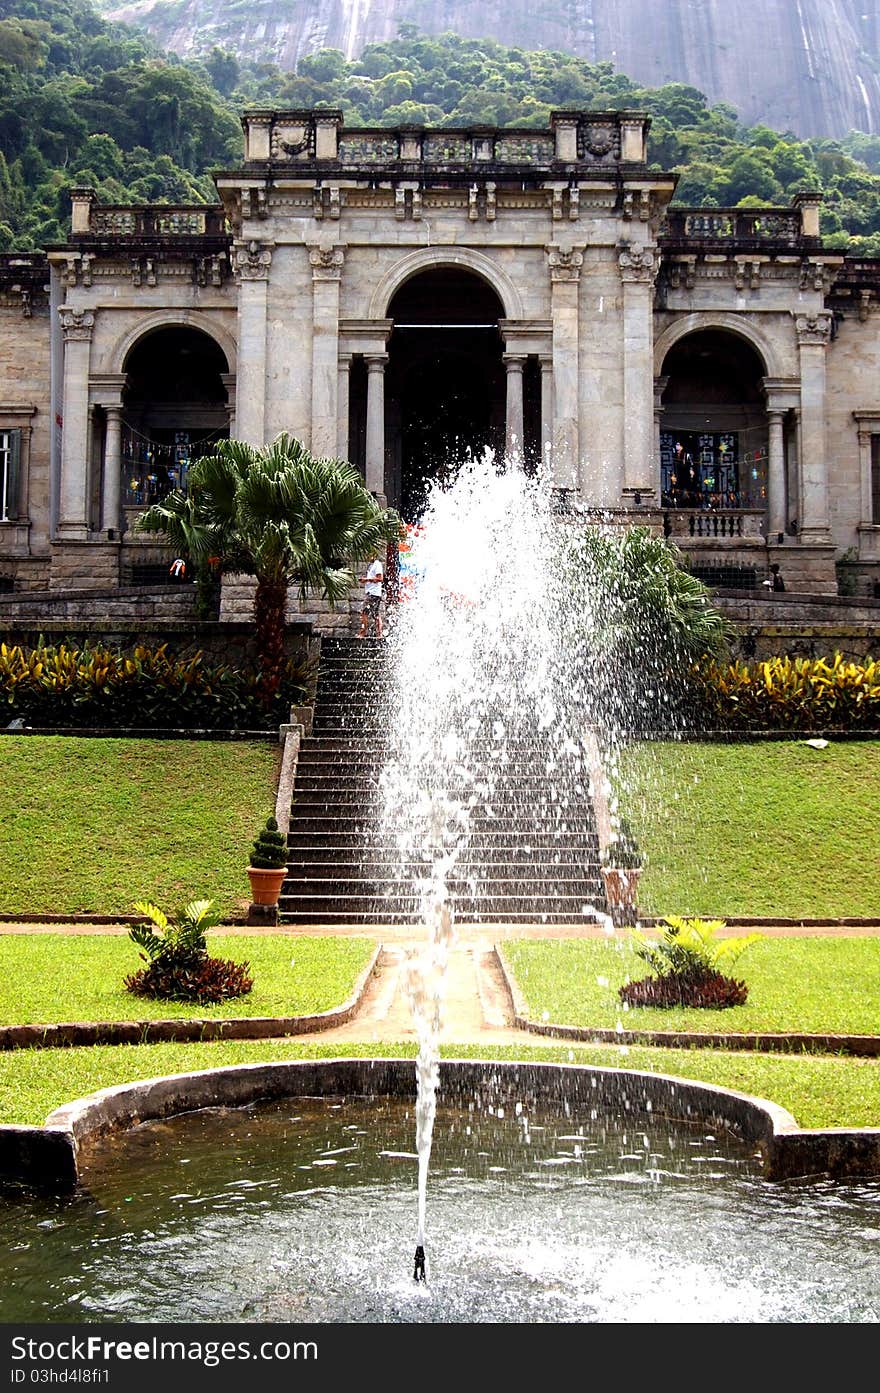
x: 711, y: 990
x: 179, y: 967
x: 270, y: 848
x: 83, y: 100
x: 94, y: 687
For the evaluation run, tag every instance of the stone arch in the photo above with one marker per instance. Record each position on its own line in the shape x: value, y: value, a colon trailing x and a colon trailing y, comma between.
x: 435, y: 258
x: 737, y: 324
x: 173, y: 319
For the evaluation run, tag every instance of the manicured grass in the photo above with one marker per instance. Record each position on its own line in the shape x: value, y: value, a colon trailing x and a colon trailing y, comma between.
x: 829, y: 1091
x: 89, y: 825
x: 765, y: 828
x: 79, y: 977
x: 806, y: 985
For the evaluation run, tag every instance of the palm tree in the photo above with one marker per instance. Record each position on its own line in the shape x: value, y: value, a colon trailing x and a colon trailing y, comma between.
x: 286, y: 517
x: 177, y: 517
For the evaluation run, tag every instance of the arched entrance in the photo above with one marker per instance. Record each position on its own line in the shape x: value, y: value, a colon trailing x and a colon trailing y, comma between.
x: 175, y: 406
x: 714, y: 432
x: 445, y: 390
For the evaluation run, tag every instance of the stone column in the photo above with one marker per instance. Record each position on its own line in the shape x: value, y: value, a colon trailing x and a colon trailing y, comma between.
x: 77, y: 326
x: 660, y: 385
x: 867, y: 503
x: 111, y: 503
x: 638, y: 268
x: 327, y: 263
x: 375, y: 461
x: 342, y: 405
x: 228, y: 380
x: 546, y: 409
x: 565, y: 270
x: 776, y: 504
x: 814, y: 334
x: 514, y: 364
x: 251, y: 261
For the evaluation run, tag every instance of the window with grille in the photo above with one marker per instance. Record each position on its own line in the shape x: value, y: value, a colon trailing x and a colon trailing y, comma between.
x: 10, y: 452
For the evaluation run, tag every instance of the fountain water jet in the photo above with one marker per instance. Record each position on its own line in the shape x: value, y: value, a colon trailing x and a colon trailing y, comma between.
x: 487, y: 669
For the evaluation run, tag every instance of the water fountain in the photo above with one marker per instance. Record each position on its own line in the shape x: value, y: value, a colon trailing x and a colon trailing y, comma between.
x: 285, y: 1192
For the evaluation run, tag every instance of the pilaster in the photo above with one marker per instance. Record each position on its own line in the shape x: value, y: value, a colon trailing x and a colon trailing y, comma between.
x: 564, y: 265
x: 326, y: 264
x: 77, y: 326
x: 252, y: 261
x: 638, y: 267
x: 813, y: 336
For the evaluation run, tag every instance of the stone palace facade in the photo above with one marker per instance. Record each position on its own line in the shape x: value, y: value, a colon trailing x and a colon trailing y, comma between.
x: 401, y: 297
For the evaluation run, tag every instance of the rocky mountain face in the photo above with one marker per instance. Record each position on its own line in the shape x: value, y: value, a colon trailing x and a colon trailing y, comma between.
x: 810, y: 66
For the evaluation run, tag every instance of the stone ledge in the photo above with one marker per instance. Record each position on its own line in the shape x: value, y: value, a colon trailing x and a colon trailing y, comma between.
x: 55, y: 1156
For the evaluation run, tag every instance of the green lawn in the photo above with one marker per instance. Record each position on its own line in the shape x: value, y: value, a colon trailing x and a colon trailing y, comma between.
x: 90, y: 825
x: 765, y: 828
x: 826, y: 1091
x: 809, y: 985
x: 78, y: 977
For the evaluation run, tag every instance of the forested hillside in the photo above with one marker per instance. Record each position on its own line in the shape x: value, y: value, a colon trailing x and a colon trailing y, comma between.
x: 84, y: 101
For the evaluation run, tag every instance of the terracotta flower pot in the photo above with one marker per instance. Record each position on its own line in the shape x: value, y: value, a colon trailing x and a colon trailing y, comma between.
x: 266, y: 883
x: 621, y: 890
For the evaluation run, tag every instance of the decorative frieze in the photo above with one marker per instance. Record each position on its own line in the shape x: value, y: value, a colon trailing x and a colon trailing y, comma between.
x: 77, y: 324
x: 564, y: 265
x: 252, y: 260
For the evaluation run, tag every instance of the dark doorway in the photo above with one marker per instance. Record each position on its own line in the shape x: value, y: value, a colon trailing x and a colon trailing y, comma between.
x: 713, y: 442
x: 445, y: 384
x: 175, y: 407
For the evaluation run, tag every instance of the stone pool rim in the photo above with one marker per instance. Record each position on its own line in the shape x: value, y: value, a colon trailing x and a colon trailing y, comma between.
x: 53, y: 1157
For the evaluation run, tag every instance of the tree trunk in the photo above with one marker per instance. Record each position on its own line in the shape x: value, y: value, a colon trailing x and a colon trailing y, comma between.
x: 270, y: 603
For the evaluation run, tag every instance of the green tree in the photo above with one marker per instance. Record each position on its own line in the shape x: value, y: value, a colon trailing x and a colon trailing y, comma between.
x: 287, y: 518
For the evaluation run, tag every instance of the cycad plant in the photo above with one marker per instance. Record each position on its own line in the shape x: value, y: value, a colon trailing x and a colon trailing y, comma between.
x: 175, y: 949
x: 689, y: 965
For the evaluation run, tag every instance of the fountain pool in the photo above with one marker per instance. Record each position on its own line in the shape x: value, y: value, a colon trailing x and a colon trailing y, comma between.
x: 301, y: 1210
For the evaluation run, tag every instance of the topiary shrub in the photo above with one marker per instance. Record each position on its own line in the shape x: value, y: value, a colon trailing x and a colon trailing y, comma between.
x: 687, y: 962
x: 269, y: 851
x: 179, y: 967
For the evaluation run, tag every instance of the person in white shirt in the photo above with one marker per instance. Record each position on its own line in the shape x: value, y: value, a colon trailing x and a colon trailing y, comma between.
x: 371, y: 613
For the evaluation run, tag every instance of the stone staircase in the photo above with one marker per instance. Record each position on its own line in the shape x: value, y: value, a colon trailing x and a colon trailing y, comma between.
x: 524, y: 863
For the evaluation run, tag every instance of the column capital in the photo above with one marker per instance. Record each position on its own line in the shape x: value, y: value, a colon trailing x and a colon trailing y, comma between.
x: 375, y: 361
x: 813, y: 330
x: 76, y: 324
x: 326, y: 263
x: 514, y: 362
x: 638, y: 265
x: 251, y: 260
x: 564, y: 265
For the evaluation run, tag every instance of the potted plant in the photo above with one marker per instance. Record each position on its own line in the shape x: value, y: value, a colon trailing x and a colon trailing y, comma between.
x: 268, y: 864
x: 621, y: 865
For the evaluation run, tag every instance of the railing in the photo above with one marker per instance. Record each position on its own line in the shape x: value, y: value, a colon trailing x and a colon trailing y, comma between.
x: 732, y: 523
x: 160, y: 220
x: 731, y: 225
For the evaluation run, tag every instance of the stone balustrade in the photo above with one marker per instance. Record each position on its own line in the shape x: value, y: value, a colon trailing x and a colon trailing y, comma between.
x: 735, y: 523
